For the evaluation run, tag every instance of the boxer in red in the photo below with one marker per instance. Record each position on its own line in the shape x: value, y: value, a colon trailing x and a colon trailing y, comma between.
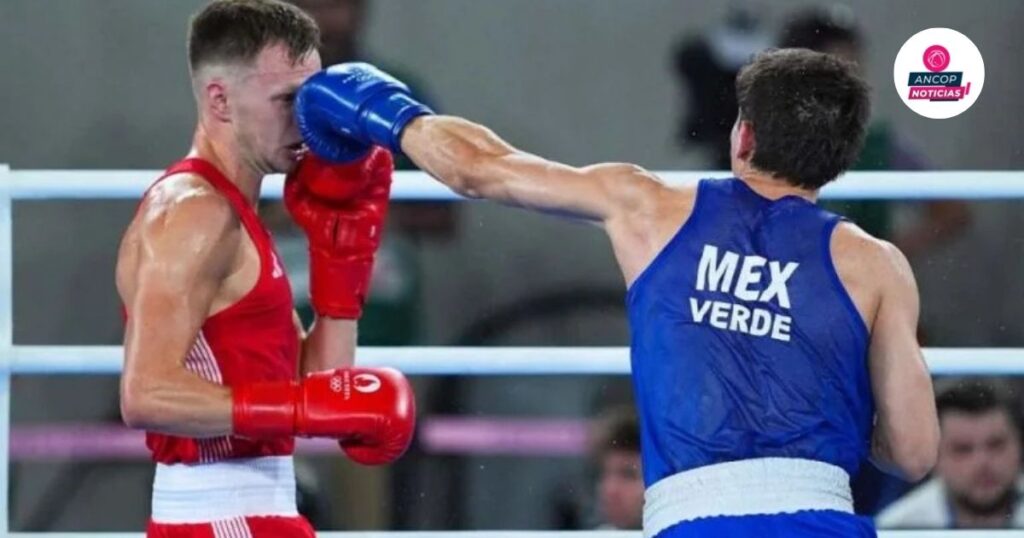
x: 218, y: 370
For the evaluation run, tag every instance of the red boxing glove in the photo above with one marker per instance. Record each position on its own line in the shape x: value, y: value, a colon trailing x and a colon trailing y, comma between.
x: 371, y: 411
x: 341, y: 207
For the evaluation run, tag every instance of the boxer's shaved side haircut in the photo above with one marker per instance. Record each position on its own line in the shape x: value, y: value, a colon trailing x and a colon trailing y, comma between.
x: 234, y: 32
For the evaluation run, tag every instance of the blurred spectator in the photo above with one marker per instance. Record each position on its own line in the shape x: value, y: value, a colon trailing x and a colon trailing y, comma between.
x: 706, y: 66
x: 978, y: 480
x: 620, y: 483
x: 835, y: 32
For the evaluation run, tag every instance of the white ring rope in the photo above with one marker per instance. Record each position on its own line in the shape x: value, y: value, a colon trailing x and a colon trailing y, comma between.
x: 975, y: 185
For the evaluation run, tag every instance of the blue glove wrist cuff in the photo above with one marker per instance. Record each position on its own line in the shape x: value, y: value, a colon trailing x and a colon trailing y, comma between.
x: 384, y: 118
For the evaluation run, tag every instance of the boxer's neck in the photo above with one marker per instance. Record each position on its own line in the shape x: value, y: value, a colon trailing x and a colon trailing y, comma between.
x: 773, y: 188
x: 223, y: 152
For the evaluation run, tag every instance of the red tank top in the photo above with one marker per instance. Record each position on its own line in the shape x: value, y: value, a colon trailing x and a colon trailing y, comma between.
x: 254, y: 339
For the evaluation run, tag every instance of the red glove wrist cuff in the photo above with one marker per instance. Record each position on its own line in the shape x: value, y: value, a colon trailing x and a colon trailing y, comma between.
x: 338, y: 287
x: 264, y: 410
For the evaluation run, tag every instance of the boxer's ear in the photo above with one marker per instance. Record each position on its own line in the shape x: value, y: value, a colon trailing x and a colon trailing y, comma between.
x: 215, y: 97
x: 743, y: 140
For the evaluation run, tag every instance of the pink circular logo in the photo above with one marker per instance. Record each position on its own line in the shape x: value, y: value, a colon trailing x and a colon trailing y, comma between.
x: 936, y: 58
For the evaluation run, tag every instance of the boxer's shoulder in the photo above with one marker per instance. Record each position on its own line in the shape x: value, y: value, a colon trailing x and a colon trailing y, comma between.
x: 866, y: 266
x: 679, y: 198
x: 185, y: 189
x: 851, y: 242
x: 642, y: 194
x: 187, y: 200
x: 184, y: 218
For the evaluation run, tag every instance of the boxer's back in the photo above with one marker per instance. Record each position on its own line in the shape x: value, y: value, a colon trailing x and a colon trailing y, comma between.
x: 745, y: 342
x: 750, y: 368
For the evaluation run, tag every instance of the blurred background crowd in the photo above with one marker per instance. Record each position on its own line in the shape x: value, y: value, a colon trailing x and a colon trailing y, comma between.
x: 102, y: 84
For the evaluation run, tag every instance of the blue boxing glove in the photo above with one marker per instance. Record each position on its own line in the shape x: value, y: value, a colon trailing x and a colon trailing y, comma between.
x: 346, y: 108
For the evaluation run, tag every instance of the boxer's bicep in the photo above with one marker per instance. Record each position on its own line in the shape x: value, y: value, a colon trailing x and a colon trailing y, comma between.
x: 906, y: 430
x: 186, y: 250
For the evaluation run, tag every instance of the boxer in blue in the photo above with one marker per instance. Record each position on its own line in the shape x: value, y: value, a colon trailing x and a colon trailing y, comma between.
x: 773, y: 343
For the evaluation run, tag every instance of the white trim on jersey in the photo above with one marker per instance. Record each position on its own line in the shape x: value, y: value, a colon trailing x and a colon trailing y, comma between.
x: 201, y: 361
x: 236, y: 527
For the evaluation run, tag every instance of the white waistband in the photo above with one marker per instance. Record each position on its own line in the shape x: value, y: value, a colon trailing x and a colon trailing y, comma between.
x: 746, y: 487
x: 204, y: 492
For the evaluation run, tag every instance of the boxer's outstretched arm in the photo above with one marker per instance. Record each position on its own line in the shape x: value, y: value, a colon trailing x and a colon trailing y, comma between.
x: 353, y: 104
x: 186, y: 249
x: 906, y: 433
x: 473, y: 161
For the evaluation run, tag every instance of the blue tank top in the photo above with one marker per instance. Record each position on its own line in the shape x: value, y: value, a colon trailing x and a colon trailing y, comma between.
x: 744, y: 342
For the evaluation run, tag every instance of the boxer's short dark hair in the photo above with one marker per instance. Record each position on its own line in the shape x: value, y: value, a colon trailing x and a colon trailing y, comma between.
x: 809, y: 112
x: 235, y: 31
